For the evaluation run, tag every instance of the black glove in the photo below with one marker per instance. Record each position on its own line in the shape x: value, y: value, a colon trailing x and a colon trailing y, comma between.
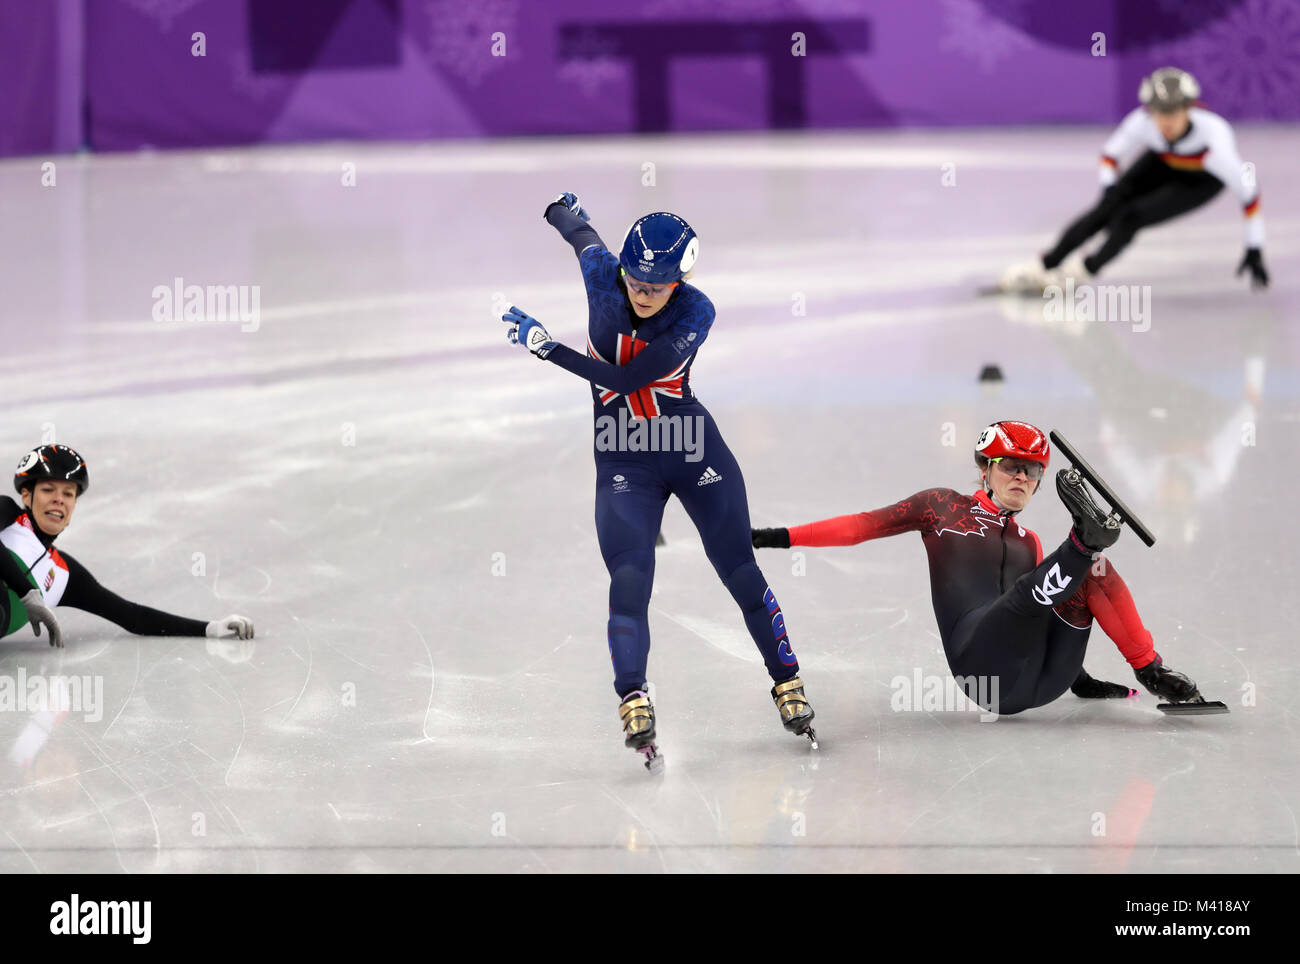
x: 1165, y: 683
x: 1085, y: 687
x: 770, y: 538
x: 1254, y: 260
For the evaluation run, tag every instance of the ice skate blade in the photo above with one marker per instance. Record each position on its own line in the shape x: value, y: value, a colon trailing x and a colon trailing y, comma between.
x: 654, y: 761
x: 812, y: 737
x: 1080, y: 466
x: 997, y: 291
x: 1203, y: 708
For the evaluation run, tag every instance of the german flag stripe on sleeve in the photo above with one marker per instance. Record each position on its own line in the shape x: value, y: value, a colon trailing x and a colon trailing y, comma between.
x: 1109, y: 161
x: 1252, y: 208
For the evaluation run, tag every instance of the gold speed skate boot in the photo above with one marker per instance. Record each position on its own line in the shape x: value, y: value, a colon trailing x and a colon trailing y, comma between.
x: 638, y: 716
x: 796, y: 713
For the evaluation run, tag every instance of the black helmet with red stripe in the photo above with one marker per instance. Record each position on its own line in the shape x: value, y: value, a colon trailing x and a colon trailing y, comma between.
x: 53, y: 463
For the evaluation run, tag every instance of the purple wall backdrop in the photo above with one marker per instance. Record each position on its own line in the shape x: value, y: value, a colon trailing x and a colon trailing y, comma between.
x: 41, y: 74
x: 285, y: 70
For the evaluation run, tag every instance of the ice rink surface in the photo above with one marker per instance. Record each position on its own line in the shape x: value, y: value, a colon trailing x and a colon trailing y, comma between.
x: 403, y: 503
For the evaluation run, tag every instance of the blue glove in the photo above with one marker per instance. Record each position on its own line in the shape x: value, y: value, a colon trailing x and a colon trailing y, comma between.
x: 570, y: 201
x: 527, y: 331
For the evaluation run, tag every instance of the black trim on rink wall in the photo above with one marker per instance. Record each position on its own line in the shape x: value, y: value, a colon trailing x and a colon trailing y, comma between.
x: 897, y: 914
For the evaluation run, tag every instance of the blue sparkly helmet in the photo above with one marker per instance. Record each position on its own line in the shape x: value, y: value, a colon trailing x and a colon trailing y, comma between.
x: 659, y: 248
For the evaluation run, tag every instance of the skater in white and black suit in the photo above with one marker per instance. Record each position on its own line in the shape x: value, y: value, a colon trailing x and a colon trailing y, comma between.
x: 35, y: 576
x: 1166, y: 158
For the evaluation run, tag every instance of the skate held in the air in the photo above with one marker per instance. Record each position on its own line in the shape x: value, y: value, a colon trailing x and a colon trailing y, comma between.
x: 1030, y: 633
x: 1176, y: 691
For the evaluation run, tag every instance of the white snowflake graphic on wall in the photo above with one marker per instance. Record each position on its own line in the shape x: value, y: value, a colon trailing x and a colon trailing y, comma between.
x: 972, y: 32
x: 590, y: 64
x: 460, y: 36
x: 1248, y: 63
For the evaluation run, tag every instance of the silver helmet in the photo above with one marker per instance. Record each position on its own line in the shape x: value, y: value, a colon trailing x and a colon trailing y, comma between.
x: 1168, y: 89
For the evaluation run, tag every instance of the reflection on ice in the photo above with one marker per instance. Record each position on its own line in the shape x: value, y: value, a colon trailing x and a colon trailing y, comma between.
x: 430, y: 685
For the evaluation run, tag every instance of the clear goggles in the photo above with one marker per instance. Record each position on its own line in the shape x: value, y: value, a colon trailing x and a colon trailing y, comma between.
x: 652, y: 291
x: 1033, y: 471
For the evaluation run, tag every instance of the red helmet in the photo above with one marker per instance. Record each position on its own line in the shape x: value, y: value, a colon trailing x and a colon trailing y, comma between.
x: 1017, y: 440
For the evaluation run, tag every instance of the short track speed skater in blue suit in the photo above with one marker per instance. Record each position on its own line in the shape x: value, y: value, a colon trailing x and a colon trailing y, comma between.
x: 654, y: 439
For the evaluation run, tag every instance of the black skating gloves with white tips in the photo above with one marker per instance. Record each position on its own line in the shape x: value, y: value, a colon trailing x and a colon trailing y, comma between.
x: 1254, y: 260
x: 40, y: 614
x: 1165, y: 683
x: 1085, y: 687
x: 770, y: 538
